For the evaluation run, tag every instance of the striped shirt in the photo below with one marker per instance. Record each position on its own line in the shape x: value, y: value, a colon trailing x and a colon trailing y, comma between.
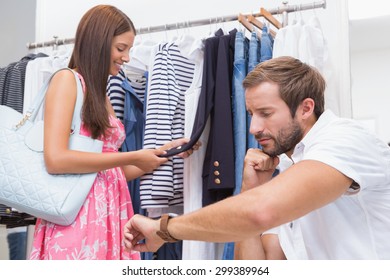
x: 12, y: 79
x: 172, y: 75
x: 116, y: 93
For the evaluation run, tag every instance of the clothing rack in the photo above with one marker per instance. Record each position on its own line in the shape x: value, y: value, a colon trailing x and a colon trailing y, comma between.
x: 283, y: 10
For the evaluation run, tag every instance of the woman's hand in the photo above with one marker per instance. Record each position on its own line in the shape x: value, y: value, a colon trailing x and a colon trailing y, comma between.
x: 178, y: 143
x: 148, y: 159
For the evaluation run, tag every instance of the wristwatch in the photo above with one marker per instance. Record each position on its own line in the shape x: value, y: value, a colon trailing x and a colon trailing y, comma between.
x: 163, y: 233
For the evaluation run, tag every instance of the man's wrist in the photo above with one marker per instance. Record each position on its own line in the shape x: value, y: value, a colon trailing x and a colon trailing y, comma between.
x: 163, y: 233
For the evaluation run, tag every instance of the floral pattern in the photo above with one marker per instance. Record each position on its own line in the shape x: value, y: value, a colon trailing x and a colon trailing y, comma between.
x: 97, y: 232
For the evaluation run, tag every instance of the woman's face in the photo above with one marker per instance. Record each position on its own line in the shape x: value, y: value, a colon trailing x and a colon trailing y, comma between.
x: 120, y: 49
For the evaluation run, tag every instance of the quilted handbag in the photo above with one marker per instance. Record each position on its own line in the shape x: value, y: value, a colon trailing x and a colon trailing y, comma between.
x: 24, y: 181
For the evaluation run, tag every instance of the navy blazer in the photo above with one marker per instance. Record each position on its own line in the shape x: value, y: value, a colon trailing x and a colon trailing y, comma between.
x: 215, y: 102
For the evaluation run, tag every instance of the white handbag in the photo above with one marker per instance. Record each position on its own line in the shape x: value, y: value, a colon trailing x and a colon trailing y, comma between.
x: 24, y: 181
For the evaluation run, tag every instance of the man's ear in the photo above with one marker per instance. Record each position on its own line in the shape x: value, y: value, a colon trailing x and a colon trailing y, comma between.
x: 307, y: 108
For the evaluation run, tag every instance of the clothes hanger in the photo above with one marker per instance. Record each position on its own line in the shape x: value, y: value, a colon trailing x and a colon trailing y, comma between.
x: 270, y: 18
x: 260, y: 25
x: 244, y: 21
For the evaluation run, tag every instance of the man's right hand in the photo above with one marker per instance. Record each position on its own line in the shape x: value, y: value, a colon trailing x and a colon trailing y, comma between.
x: 258, y: 168
x: 140, y: 228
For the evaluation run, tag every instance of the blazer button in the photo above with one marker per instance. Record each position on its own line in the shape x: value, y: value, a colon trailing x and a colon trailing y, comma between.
x: 216, y: 173
x: 217, y: 181
x: 216, y: 163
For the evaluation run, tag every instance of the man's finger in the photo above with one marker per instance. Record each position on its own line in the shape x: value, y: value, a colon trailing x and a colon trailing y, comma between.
x: 141, y: 247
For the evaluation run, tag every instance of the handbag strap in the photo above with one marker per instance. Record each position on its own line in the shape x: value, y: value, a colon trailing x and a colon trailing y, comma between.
x: 32, y: 112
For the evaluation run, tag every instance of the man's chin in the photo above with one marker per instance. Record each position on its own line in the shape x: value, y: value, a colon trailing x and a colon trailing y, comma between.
x: 271, y: 152
x: 268, y: 151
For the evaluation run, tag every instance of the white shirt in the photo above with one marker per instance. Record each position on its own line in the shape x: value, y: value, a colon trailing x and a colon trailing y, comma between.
x: 356, y: 225
x: 306, y: 42
x: 287, y: 39
x: 37, y: 73
x: 193, y: 165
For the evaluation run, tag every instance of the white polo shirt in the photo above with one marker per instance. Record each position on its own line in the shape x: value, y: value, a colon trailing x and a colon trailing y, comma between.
x: 356, y: 225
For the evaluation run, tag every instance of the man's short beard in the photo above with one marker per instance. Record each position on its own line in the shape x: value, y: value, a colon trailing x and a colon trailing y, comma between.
x: 286, y: 140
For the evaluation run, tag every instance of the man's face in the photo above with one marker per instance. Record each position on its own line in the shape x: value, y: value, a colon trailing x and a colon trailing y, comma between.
x: 271, y: 124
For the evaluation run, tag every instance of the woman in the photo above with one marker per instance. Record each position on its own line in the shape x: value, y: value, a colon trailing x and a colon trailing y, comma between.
x: 103, y: 40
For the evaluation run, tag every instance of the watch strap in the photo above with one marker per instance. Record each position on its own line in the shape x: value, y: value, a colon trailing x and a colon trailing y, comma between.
x: 163, y: 233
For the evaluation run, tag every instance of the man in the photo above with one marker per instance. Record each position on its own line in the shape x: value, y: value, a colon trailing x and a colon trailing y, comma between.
x: 333, y: 202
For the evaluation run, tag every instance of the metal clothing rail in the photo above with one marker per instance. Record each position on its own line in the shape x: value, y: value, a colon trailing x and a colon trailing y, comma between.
x: 284, y: 10
x: 55, y: 42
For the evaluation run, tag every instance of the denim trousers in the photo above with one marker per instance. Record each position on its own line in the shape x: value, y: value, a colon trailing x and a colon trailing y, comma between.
x: 238, y: 105
x: 253, y: 60
x: 254, y: 51
x: 267, y: 43
x: 247, y: 56
x: 240, y: 66
x: 17, y: 243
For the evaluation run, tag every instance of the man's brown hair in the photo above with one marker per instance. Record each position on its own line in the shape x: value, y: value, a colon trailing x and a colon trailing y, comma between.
x: 296, y: 80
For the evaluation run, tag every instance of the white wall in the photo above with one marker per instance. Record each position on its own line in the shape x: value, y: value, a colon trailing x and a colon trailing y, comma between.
x: 17, y: 27
x: 370, y: 73
x: 371, y: 88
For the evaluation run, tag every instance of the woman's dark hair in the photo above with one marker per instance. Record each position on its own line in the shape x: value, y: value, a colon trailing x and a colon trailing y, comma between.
x: 91, y: 57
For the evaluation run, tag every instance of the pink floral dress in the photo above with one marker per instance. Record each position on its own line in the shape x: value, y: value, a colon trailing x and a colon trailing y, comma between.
x: 97, y: 232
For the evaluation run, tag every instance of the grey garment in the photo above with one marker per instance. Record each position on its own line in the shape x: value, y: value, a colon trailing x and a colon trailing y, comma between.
x: 12, y: 79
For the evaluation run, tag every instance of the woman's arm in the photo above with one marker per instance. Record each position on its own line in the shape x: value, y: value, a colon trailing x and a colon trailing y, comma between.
x: 59, y: 107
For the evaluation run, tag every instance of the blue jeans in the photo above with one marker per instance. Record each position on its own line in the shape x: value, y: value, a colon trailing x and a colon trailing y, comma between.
x: 17, y: 243
x: 254, y: 51
x: 240, y: 66
x: 253, y: 60
x: 238, y: 105
x: 267, y: 44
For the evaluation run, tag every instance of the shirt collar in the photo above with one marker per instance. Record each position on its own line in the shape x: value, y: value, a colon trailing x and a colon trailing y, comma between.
x: 325, y: 118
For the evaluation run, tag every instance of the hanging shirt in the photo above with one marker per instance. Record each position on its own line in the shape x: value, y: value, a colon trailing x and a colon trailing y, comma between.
x: 286, y: 42
x: 12, y: 82
x: 193, y: 165
x: 171, y: 76
x: 37, y: 73
x: 314, y: 51
x: 116, y: 93
x: 306, y: 42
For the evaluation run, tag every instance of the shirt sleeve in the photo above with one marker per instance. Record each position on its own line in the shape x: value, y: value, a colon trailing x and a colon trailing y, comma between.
x: 357, y: 154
